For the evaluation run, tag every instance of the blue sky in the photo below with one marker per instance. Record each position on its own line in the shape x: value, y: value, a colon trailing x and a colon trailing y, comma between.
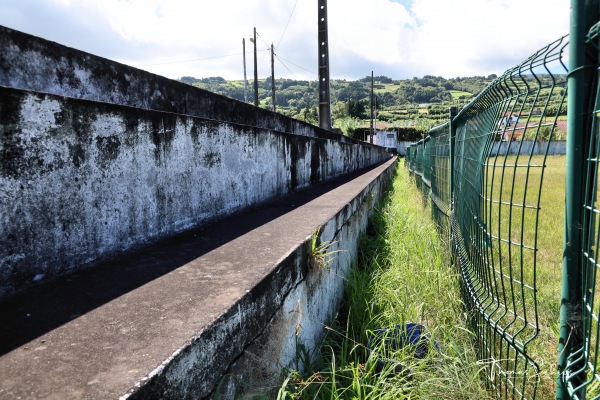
x: 201, y: 38
x: 405, y: 3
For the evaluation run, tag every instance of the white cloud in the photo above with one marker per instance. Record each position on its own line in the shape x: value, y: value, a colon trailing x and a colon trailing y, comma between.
x: 466, y: 37
x: 439, y: 37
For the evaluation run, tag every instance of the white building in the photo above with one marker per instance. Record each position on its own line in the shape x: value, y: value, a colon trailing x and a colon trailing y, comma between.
x: 384, y: 138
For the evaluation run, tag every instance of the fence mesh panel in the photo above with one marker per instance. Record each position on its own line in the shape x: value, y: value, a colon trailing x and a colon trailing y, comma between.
x: 440, y: 177
x: 493, y: 208
x: 582, y: 375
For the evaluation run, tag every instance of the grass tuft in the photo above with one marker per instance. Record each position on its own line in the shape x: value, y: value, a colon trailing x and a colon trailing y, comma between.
x: 319, y: 255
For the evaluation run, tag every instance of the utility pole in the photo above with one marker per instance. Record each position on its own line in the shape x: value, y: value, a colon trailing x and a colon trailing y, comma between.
x: 273, y: 76
x: 245, y: 79
x: 375, y: 115
x: 255, y: 72
x: 371, y: 140
x: 324, y: 97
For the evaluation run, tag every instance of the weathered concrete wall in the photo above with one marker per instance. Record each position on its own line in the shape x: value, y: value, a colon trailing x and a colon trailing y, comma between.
x: 245, y: 350
x: 33, y: 63
x: 97, y: 159
x: 81, y: 180
x: 311, y: 305
x: 91, y: 178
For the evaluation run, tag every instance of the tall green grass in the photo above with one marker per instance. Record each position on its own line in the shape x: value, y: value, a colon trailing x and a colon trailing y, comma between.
x: 403, y: 275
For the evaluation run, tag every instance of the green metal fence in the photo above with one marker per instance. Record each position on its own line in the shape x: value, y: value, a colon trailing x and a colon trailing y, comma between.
x: 488, y: 202
x: 485, y: 187
x: 579, y: 325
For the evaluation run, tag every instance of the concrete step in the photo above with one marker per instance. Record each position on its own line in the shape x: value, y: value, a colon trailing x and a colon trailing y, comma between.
x: 171, y: 320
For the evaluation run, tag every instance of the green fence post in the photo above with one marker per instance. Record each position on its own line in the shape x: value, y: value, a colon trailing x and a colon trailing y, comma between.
x: 452, y: 135
x: 584, y: 13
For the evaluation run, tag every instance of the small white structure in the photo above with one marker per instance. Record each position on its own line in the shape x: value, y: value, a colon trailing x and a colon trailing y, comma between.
x: 384, y: 139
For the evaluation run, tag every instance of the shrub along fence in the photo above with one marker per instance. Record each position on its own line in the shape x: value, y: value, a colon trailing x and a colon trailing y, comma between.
x: 487, y: 203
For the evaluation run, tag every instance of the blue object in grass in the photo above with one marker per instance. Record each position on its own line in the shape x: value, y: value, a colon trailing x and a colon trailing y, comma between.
x: 401, y: 335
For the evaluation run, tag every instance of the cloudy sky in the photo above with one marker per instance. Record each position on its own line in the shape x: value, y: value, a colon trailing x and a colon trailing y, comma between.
x: 201, y: 38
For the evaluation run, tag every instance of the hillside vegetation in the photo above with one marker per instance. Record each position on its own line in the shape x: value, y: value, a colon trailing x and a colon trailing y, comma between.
x: 410, y: 106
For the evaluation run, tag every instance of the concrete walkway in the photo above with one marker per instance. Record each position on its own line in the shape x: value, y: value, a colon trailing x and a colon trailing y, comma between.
x: 102, y: 333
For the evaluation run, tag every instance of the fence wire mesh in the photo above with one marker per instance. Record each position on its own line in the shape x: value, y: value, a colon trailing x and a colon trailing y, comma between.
x: 440, y: 177
x: 581, y: 374
x: 492, y: 204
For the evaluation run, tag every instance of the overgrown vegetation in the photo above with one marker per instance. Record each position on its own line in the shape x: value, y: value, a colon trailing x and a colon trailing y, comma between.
x: 403, y: 275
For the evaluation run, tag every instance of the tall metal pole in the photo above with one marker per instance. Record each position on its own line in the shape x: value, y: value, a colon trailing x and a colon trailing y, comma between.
x: 371, y: 119
x: 273, y: 75
x: 324, y: 97
x: 584, y: 13
x: 245, y: 79
x: 255, y: 72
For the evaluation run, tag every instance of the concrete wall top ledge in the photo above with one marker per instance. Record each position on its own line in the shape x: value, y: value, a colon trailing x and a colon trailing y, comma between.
x: 32, y: 63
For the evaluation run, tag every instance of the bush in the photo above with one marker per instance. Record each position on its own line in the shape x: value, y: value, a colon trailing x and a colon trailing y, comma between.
x: 410, y: 134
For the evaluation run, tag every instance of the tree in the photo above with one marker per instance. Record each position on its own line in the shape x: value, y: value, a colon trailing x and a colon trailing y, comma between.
x: 354, y: 91
x: 339, y: 110
x: 350, y: 127
x: 190, y: 80
x: 309, y: 115
x: 355, y: 109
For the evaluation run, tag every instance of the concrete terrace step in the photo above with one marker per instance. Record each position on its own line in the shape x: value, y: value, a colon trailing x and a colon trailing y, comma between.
x: 168, y: 321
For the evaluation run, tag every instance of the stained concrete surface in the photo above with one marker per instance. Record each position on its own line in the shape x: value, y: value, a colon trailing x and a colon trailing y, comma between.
x: 103, y: 332
x: 83, y: 180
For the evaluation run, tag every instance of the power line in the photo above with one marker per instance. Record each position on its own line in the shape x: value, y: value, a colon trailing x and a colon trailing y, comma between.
x: 285, y: 66
x: 195, y: 59
x: 296, y: 65
x: 286, y: 25
x: 261, y: 38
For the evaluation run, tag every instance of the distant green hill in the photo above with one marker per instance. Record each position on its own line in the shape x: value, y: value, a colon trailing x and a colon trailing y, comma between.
x: 409, y: 105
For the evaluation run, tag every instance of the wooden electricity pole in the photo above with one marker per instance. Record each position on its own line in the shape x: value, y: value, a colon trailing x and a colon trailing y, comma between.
x: 324, y: 97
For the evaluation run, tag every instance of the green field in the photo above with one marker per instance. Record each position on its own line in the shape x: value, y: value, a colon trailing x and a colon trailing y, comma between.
x: 516, y: 186
x: 456, y: 94
x: 549, y: 269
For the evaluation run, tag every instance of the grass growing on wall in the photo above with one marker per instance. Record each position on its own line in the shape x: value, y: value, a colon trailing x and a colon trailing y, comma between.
x: 403, y: 275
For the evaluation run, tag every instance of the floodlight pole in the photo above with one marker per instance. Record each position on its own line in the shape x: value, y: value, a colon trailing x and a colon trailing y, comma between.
x: 324, y: 97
